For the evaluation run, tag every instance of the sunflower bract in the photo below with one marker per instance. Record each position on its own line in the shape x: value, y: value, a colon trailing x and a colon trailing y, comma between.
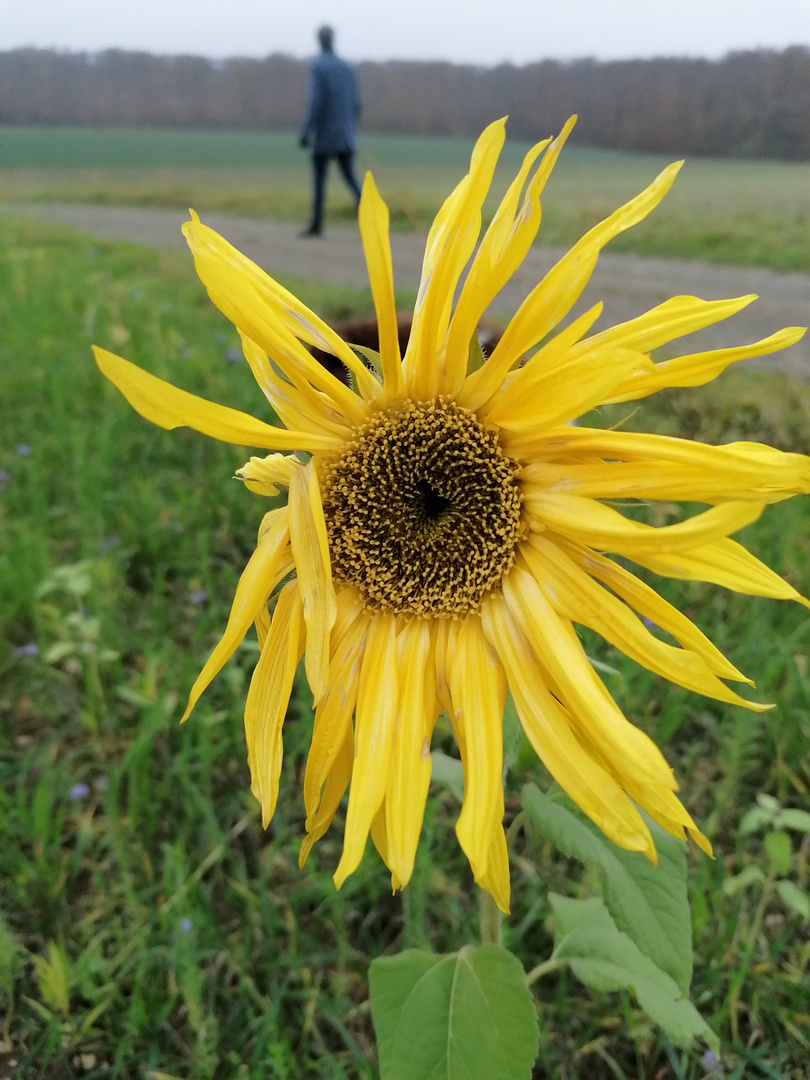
x: 445, y: 529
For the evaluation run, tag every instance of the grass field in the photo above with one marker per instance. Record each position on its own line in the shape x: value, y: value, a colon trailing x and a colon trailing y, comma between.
x: 740, y: 212
x: 148, y: 927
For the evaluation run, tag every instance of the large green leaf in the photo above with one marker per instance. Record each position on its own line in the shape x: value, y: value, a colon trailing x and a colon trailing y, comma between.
x: 649, y: 903
x: 605, y: 959
x: 466, y: 1016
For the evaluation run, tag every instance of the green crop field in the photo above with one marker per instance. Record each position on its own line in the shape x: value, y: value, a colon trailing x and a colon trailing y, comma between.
x: 148, y: 926
x: 740, y: 212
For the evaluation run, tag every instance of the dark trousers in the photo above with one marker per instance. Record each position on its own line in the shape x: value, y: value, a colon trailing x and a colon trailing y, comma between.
x: 320, y: 167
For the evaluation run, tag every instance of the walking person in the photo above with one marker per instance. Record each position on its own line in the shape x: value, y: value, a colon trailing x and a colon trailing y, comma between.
x: 330, y: 124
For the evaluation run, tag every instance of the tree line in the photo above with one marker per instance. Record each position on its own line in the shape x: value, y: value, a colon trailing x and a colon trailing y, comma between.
x: 750, y: 104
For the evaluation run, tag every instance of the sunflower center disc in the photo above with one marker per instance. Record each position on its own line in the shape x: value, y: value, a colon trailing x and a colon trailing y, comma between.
x: 422, y: 510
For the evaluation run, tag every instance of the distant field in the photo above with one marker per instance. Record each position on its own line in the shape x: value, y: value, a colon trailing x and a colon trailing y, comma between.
x: 742, y: 212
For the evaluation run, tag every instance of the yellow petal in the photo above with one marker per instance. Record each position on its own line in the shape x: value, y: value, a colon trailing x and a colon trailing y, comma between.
x: 503, y: 248
x: 650, y: 605
x: 296, y: 402
x: 597, y: 525
x: 576, y: 596
x: 169, y: 407
x: 478, y: 690
x: 565, y: 391
x: 675, y: 317
x: 559, y: 290
x: 310, y: 548
x: 265, y: 311
x: 450, y: 244
x: 265, y: 476
x: 373, y: 221
x: 525, y: 379
x: 496, y: 879
x: 576, y: 684
x: 269, y: 695
x: 700, y: 368
x: 547, y: 729
x: 377, y: 701
x: 710, y: 483
x: 333, y: 715
x: 336, y: 783
x: 259, y: 578
x: 725, y: 563
x: 410, y: 762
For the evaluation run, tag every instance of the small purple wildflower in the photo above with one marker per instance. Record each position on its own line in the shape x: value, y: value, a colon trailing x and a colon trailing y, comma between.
x: 233, y: 356
x: 23, y: 449
x: 711, y: 1062
x: 197, y: 597
x: 648, y: 623
x: 78, y: 791
x: 5, y: 476
x: 24, y: 652
x: 185, y: 925
x: 109, y: 543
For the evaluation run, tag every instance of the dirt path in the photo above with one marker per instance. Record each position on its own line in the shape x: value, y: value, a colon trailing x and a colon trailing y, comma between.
x: 628, y: 284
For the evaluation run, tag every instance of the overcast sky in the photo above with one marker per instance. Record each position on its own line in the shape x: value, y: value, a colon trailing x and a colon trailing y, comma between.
x: 465, y: 31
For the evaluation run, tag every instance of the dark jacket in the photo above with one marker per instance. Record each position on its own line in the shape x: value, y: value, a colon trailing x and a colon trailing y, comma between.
x: 333, y: 106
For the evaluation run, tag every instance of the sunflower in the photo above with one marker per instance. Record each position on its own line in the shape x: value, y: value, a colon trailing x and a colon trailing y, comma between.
x: 445, y: 526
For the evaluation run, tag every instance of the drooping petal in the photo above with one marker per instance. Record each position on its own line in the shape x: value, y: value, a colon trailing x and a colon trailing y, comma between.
x: 725, y: 563
x: 575, y: 682
x: 547, y: 729
x: 556, y: 294
x: 169, y: 407
x: 259, y: 578
x: 373, y: 221
x: 265, y: 311
x: 496, y: 879
x: 577, y: 597
x: 410, y: 763
x: 478, y: 691
x: 310, y: 549
x: 450, y: 244
x: 650, y: 605
x: 333, y: 714
x: 599, y: 526
x: 269, y: 696
x: 337, y: 781
x: 377, y: 703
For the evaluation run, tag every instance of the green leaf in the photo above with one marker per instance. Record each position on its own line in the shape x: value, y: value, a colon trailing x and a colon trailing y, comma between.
x: 794, y: 819
x: 371, y: 356
x: 448, y: 772
x: 605, y: 959
x: 649, y: 903
x: 768, y: 802
x: 754, y: 819
x: 749, y: 876
x: 779, y: 850
x: 794, y: 898
x: 475, y: 354
x: 466, y: 1016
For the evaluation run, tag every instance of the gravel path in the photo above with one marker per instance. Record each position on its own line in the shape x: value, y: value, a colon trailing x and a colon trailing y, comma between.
x: 628, y: 284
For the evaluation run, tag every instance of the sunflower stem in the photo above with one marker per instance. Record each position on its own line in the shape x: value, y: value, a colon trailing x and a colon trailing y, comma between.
x: 490, y: 920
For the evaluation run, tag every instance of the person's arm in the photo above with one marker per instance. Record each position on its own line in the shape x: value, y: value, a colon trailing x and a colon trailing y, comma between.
x: 314, y: 107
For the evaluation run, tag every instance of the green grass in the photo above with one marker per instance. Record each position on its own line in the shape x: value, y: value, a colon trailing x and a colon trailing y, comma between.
x: 148, y: 927
x: 739, y: 212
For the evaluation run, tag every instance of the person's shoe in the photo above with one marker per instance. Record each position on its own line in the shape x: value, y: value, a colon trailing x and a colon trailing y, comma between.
x: 311, y: 231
